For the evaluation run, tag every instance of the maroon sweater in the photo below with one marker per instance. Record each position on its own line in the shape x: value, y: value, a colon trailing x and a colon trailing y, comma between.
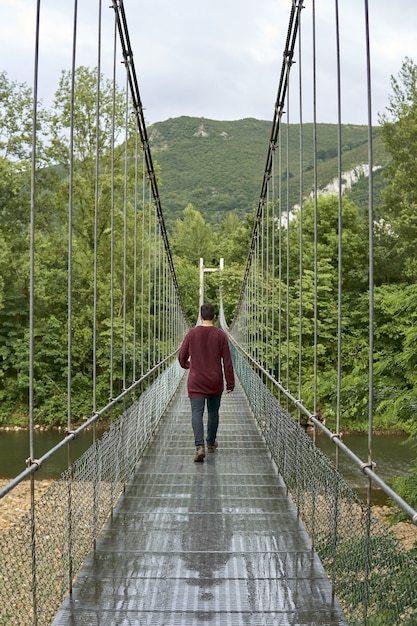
x: 205, y: 352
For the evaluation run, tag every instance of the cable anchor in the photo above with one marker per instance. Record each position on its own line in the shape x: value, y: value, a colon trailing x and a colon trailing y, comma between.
x: 370, y: 466
x: 29, y: 462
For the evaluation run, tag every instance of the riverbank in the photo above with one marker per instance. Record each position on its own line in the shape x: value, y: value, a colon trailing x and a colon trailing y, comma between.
x: 17, y: 503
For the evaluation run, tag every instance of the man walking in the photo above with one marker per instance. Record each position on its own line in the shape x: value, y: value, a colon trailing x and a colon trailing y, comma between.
x: 205, y: 352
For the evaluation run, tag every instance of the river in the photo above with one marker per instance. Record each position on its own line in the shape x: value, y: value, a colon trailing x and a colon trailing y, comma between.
x: 14, y: 450
x: 393, y: 455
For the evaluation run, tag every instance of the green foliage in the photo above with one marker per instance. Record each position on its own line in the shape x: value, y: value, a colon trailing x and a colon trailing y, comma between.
x: 211, y: 175
x: 406, y: 487
x: 51, y: 256
x: 399, y: 133
x: 189, y: 282
x: 86, y: 84
x: 16, y: 114
x: 217, y: 166
x: 192, y: 238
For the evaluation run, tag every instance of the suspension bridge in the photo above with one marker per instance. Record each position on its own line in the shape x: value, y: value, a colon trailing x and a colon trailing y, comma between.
x: 265, y: 530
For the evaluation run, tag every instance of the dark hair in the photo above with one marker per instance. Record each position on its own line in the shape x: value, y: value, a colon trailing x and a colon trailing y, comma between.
x: 207, y: 311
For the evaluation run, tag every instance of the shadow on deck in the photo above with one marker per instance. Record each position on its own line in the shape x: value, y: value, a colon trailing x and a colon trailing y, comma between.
x: 216, y: 543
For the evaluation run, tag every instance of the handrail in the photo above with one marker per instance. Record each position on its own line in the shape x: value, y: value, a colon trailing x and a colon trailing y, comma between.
x: 35, y: 464
x: 366, y: 468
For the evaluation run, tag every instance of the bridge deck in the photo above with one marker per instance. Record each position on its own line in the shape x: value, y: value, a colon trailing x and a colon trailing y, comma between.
x: 214, y: 543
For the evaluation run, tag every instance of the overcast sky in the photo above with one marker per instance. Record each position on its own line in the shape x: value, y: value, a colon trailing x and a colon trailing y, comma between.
x: 220, y: 59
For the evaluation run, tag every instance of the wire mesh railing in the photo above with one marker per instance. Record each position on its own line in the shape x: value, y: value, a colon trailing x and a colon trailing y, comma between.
x: 41, y: 554
x: 306, y: 311
x: 101, y: 314
x: 373, y: 577
x: 305, y: 279
x: 114, y: 261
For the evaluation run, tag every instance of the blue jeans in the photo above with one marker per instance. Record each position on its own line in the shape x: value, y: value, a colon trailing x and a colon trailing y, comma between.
x: 197, y: 410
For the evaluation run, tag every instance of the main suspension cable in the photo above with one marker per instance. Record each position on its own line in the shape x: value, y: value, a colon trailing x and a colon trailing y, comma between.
x: 127, y: 52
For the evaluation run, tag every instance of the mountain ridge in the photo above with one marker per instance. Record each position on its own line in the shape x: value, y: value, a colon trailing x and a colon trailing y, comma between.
x: 218, y: 166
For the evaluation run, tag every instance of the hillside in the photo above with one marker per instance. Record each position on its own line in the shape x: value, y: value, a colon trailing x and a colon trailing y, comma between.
x: 218, y: 166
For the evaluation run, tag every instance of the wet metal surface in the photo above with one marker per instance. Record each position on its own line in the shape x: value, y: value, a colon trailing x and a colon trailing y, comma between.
x: 215, y: 543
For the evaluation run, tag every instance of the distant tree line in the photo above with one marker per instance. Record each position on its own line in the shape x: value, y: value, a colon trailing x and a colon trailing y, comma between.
x: 191, y: 238
x: 116, y: 174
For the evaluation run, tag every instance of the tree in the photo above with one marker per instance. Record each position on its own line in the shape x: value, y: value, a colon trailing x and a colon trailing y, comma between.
x: 16, y: 119
x: 399, y: 133
x: 354, y: 242
x: 188, y: 281
x: 15, y: 147
x: 234, y: 239
x: 51, y: 253
x: 84, y: 116
x: 192, y: 238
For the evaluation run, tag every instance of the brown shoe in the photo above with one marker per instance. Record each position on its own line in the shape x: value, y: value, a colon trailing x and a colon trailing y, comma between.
x: 199, y: 454
x: 211, y: 447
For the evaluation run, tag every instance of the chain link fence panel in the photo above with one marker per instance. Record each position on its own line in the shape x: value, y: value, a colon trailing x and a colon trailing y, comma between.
x: 41, y: 554
x: 373, y: 577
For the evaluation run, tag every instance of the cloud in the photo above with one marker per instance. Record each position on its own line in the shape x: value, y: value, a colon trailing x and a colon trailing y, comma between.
x: 220, y: 59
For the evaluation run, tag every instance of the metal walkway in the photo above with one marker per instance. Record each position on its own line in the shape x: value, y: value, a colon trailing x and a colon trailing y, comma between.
x: 214, y: 543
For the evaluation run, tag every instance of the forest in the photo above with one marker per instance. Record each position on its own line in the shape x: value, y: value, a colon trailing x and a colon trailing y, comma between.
x: 197, y: 230
x: 217, y: 166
